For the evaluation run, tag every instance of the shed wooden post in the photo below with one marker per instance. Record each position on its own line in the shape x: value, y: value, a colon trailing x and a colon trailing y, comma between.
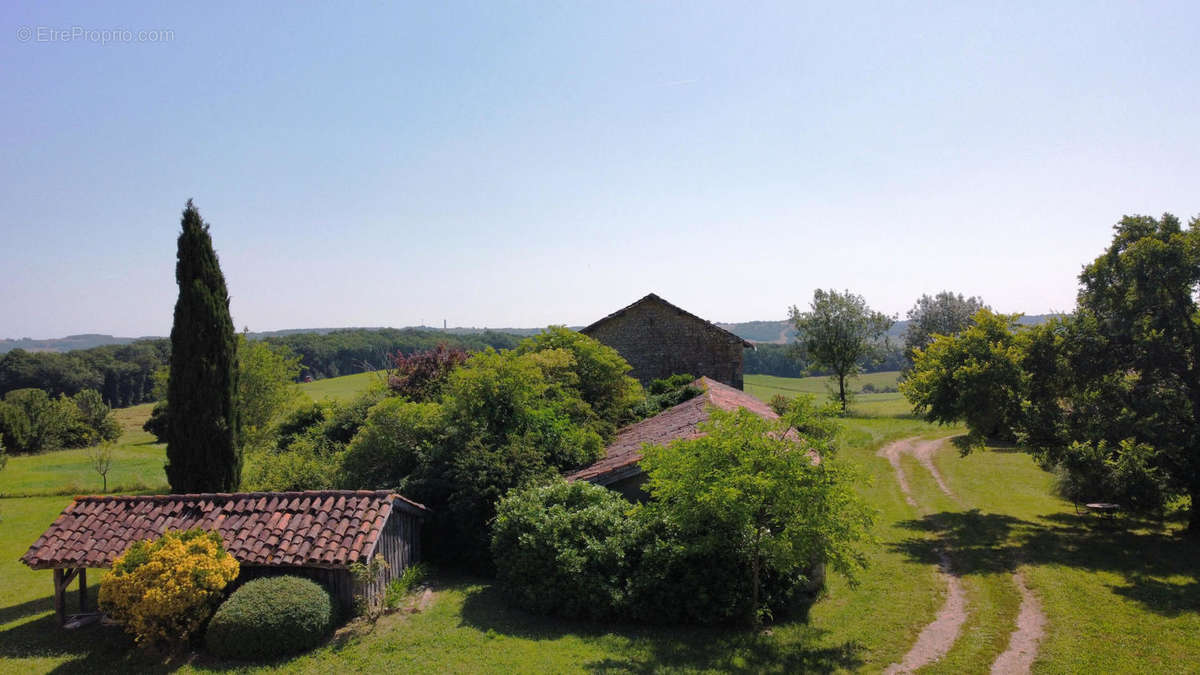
x: 83, y: 599
x: 62, y: 580
x: 60, y: 609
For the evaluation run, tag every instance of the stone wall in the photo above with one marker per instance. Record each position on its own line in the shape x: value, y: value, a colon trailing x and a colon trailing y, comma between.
x: 659, y: 340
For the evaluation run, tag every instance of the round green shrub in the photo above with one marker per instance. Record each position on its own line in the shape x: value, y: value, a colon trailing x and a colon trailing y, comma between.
x: 271, y: 617
x: 562, y: 549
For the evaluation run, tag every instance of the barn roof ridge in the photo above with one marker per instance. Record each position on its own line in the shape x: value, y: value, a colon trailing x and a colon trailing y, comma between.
x: 677, y: 308
x: 228, y: 496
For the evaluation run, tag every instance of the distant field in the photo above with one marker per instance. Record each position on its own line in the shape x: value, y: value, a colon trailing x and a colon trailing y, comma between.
x: 137, y: 459
x: 341, y: 388
x: 137, y: 465
x: 760, y: 386
x: 764, y: 387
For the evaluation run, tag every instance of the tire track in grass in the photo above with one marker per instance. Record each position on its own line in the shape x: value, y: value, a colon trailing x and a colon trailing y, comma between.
x: 938, y: 637
x: 1022, y: 647
x: 1023, y: 643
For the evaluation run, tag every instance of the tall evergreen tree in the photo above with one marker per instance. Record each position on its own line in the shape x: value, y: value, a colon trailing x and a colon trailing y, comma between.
x: 202, y: 448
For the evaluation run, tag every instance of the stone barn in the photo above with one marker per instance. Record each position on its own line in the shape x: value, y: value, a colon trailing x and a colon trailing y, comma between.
x: 659, y: 340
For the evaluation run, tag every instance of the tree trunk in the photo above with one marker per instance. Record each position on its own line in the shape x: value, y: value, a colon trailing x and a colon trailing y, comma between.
x: 1194, y: 518
x: 754, y: 595
x: 842, y: 391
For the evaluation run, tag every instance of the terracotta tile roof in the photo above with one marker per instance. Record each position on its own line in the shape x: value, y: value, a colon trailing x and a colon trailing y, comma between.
x: 331, y: 528
x: 683, y: 312
x: 678, y: 422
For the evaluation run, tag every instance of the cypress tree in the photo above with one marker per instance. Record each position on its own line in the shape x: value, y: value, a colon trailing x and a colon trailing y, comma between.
x: 202, y: 448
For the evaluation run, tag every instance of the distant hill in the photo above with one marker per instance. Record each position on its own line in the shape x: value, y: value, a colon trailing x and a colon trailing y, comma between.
x: 66, y: 344
x: 781, y: 332
x: 769, y: 332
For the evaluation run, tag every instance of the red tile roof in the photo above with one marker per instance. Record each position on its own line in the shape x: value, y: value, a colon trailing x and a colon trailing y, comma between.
x: 678, y: 422
x: 331, y: 528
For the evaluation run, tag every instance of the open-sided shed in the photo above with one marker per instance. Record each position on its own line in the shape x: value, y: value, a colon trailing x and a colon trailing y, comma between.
x: 318, y: 535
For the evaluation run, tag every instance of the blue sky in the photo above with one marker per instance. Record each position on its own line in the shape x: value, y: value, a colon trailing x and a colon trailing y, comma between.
x: 533, y: 163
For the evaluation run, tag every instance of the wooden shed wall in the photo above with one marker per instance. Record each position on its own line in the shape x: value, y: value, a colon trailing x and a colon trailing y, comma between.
x: 339, y: 582
x: 399, y: 544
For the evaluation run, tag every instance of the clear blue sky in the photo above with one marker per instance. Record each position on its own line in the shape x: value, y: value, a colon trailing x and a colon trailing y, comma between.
x: 526, y: 164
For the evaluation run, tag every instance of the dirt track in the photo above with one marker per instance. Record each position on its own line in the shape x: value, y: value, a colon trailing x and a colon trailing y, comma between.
x: 938, y: 637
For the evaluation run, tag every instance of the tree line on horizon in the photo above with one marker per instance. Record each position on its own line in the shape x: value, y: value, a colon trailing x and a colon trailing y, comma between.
x: 124, y: 375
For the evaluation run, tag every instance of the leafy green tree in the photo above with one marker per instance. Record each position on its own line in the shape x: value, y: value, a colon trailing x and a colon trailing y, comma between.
x: 565, y: 549
x: 975, y: 376
x: 203, y: 453
x: 156, y: 424
x: 600, y: 374
x: 943, y: 314
x: 398, y: 437
x: 509, y: 420
x: 1123, y: 393
x: 266, y: 389
x: 839, y: 332
x: 757, y: 486
x: 98, y: 417
x: 32, y: 422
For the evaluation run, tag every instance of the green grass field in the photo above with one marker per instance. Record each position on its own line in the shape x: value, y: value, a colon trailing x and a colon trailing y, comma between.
x: 866, y: 405
x: 137, y: 459
x: 341, y: 388
x: 137, y: 465
x: 1119, y: 595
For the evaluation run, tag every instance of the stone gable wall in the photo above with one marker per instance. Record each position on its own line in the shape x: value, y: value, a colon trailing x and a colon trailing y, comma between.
x: 659, y: 341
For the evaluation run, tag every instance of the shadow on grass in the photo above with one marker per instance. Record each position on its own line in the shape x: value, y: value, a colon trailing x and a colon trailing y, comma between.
x: 786, y: 649
x: 1150, y: 559
x: 94, y: 648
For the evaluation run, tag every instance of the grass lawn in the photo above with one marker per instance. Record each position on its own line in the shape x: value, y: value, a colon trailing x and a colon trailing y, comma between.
x: 137, y: 465
x: 1120, y: 595
x: 137, y: 459
x: 866, y: 405
x: 341, y: 388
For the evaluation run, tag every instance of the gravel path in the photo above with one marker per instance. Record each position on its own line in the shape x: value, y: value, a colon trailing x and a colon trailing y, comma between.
x: 1023, y: 644
x: 936, y: 639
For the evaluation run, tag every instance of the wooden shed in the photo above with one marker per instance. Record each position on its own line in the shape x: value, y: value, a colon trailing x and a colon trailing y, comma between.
x: 318, y: 535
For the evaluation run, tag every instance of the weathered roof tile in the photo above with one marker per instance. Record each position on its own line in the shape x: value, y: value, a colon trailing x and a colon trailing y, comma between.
x: 285, y: 529
x: 675, y: 423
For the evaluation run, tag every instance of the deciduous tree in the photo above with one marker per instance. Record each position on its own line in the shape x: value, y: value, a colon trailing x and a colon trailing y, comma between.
x: 1129, y: 368
x: 838, y: 333
x: 752, y: 484
x: 267, y: 375
x: 975, y: 376
x: 943, y: 314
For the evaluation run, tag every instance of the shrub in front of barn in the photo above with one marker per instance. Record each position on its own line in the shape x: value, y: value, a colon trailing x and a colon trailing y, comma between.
x: 271, y: 617
x: 164, y: 590
x: 562, y: 549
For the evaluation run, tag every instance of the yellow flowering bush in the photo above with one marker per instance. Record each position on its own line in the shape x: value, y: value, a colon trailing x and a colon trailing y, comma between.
x: 164, y: 590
